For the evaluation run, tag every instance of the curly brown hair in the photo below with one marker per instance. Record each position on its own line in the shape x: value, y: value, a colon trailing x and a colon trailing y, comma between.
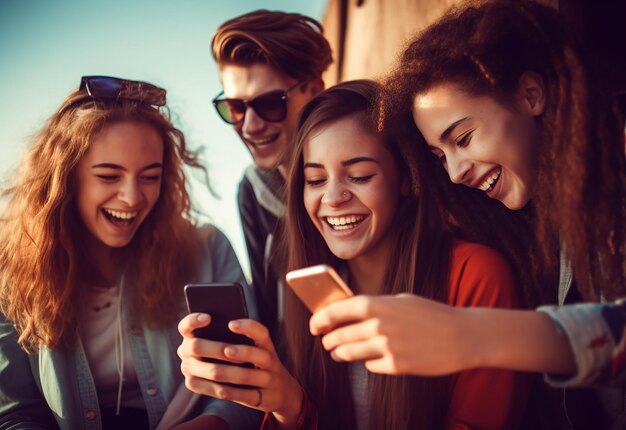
x: 41, y: 250
x: 578, y: 198
x: 292, y: 43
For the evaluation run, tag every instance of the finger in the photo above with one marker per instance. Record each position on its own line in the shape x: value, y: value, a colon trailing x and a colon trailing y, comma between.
x: 341, y: 312
x: 260, y: 357
x: 357, y: 351
x: 351, y: 333
x: 225, y: 373
x: 247, y: 397
x: 255, y: 331
x: 188, y: 324
x: 383, y: 365
x: 198, y: 348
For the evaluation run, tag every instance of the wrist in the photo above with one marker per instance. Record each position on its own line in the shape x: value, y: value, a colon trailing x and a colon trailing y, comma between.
x: 472, y: 348
x: 289, y: 415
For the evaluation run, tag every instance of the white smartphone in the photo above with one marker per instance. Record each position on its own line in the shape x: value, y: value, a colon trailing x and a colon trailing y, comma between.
x: 317, y: 286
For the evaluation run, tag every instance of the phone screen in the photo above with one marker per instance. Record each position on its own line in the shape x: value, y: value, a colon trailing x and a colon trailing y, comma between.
x: 224, y: 302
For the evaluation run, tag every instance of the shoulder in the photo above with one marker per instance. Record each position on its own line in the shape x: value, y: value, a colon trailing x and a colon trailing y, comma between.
x: 480, y: 276
x: 212, y: 236
x: 475, y: 256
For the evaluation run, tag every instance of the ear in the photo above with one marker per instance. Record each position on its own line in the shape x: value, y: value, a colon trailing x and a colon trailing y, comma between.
x: 315, y: 86
x: 531, y: 94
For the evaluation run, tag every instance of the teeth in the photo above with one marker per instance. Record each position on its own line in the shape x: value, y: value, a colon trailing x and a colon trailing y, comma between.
x: 492, y: 179
x: 121, y: 215
x: 263, y: 141
x: 342, y: 221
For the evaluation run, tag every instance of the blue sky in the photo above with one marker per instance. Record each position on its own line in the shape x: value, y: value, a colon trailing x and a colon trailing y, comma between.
x: 47, y: 45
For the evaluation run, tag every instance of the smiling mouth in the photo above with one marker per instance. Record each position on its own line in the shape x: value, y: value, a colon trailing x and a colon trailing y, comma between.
x: 120, y: 218
x: 491, y: 181
x: 262, y: 141
x: 344, y: 222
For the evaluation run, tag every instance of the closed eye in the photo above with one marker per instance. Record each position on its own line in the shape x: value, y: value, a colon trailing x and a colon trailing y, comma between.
x: 108, y: 178
x: 314, y: 182
x: 464, y: 139
x: 151, y: 178
x: 361, y: 179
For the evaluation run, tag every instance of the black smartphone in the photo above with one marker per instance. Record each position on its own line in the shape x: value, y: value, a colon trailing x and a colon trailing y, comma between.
x: 224, y: 302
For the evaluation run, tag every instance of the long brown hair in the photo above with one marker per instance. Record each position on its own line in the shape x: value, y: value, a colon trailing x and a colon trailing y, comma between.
x: 41, y: 250
x: 579, y: 198
x: 419, y: 263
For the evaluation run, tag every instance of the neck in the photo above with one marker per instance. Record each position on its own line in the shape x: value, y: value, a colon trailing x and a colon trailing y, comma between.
x: 367, y: 274
x: 101, y: 268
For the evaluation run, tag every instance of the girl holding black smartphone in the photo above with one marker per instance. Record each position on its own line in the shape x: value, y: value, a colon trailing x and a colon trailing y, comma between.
x: 96, y: 244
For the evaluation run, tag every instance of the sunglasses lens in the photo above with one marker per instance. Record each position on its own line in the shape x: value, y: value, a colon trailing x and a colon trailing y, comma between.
x: 104, y: 87
x: 231, y: 111
x: 271, y: 107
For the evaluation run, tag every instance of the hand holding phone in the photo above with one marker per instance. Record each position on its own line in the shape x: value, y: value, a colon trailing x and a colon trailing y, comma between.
x: 224, y: 302
x: 317, y: 286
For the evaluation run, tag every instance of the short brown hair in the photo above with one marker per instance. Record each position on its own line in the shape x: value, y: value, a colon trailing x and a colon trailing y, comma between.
x: 290, y: 42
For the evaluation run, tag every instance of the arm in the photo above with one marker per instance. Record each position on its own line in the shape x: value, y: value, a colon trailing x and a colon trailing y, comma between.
x: 22, y: 405
x: 450, y: 339
x: 596, y: 335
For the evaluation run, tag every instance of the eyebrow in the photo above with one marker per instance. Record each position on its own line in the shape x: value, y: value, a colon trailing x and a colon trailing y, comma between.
x: 349, y: 162
x: 446, y: 133
x: 118, y: 167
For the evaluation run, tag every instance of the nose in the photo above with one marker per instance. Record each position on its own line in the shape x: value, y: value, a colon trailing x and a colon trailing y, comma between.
x: 336, y: 194
x: 252, y: 124
x: 458, y: 168
x: 130, y: 193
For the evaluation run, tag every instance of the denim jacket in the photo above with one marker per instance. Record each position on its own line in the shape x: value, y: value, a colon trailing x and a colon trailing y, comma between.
x: 55, y: 388
x: 595, y: 331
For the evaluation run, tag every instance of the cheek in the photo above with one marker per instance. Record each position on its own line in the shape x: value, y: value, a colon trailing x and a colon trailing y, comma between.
x: 311, y: 203
x: 152, y: 193
x: 386, y: 198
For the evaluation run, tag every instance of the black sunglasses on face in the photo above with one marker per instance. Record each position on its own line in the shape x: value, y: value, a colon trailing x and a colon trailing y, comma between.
x: 270, y: 106
x: 110, y: 88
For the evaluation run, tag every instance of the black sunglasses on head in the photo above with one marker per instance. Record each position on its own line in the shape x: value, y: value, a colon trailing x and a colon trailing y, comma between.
x: 270, y: 106
x: 110, y: 88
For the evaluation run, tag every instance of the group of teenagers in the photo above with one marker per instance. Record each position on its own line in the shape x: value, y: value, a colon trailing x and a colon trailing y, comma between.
x: 473, y: 200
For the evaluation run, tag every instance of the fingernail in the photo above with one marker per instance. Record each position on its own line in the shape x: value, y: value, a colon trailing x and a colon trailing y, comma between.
x: 202, y: 318
x: 230, y: 351
x: 235, y: 324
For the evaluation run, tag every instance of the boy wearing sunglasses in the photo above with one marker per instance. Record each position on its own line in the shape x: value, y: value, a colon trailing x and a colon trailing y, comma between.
x: 270, y: 65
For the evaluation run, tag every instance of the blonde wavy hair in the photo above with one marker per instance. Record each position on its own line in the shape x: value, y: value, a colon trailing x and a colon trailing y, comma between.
x: 41, y: 249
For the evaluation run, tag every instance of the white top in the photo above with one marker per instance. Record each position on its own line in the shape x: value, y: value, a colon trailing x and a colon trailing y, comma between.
x: 100, y: 323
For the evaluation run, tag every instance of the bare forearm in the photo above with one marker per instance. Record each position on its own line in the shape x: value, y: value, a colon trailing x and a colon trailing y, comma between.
x: 516, y: 340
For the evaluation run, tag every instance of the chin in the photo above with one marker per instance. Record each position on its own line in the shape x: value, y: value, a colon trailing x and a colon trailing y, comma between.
x: 515, y: 204
x: 343, y: 254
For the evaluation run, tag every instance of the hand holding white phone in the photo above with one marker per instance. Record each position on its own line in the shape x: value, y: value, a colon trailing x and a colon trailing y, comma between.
x: 318, y: 286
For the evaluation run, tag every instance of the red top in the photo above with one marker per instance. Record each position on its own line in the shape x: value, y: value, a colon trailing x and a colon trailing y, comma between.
x: 485, y: 398
x: 480, y: 399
